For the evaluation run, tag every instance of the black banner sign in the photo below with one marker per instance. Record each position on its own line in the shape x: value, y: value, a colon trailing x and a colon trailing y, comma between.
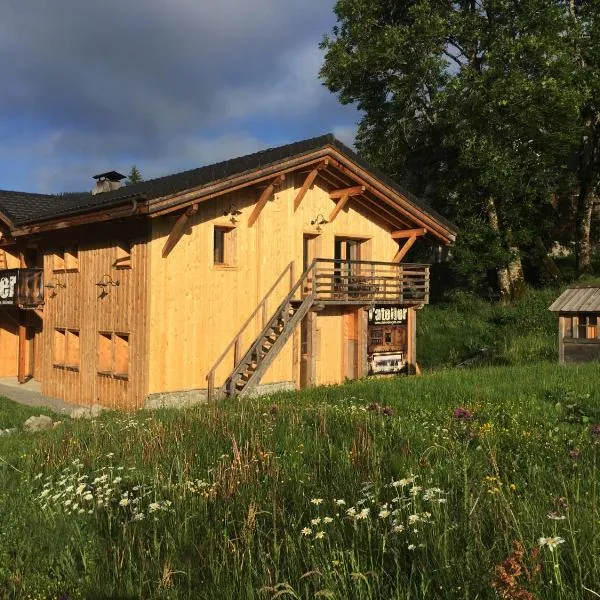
x: 387, y: 315
x: 8, y: 286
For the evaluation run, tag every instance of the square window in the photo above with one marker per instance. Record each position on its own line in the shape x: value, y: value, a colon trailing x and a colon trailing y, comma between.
x: 65, y: 259
x: 113, y: 354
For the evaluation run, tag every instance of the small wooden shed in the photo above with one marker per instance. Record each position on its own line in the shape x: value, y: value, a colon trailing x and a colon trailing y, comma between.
x: 578, y: 311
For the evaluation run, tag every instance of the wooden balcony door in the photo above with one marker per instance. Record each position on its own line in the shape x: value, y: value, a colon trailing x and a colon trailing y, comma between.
x: 307, y: 355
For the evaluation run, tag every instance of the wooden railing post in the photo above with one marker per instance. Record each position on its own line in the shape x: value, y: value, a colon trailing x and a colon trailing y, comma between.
x: 427, y: 284
x: 211, y: 385
x: 236, y: 351
x: 292, y: 279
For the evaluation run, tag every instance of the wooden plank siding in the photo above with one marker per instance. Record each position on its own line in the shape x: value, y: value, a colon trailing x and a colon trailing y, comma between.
x: 82, y: 306
x: 197, y: 307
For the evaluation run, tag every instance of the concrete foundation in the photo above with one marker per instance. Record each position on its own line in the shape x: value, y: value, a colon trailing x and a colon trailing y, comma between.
x: 183, y: 398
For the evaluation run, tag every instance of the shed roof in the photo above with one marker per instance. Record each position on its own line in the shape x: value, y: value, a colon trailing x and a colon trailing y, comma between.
x: 578, y: 299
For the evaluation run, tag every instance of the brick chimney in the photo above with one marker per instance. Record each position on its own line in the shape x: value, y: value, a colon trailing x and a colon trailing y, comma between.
x: 107, y: 182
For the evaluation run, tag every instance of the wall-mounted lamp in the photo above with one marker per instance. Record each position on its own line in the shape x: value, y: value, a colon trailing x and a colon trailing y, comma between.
x: 318, y: 221
x: 54, y: 284
x: 234, y: 211
x: 105, y: 282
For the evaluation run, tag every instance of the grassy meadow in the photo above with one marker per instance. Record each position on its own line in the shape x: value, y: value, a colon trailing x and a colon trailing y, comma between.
x: 478, y: 483
x: 474, y: 483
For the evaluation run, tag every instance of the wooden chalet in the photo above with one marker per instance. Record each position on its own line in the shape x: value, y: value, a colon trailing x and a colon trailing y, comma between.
x: 578, y: 311
x: 281, y: 269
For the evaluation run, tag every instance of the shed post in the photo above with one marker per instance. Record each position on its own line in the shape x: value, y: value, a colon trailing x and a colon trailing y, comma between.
x: 561, y: 339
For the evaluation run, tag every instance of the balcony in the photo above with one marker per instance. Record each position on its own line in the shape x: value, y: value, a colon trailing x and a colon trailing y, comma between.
x: 366, y: 282
x: 22, y: 288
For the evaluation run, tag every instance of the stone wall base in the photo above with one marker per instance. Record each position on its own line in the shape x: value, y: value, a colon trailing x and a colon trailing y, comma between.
x: 183, y: 398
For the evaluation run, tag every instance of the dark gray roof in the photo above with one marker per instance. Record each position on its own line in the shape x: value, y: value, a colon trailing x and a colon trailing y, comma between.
x: 578, y: 299
x: 23, y: 208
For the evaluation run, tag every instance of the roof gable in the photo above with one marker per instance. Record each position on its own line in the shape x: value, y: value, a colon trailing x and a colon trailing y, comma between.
x: 28, y: 209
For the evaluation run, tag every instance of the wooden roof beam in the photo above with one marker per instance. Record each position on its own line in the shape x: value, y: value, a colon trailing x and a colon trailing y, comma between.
x: 338, y: 207
x: 404, y: 249
x: 178, y: 229
x: 351, y: 191
x: 406, y: 233
x: 414, y: 213
x: 310, y: 179
x: 264, y: 198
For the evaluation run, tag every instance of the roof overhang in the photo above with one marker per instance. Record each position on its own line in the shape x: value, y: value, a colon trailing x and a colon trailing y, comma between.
x: 377, y: 196
x: 380, y: 198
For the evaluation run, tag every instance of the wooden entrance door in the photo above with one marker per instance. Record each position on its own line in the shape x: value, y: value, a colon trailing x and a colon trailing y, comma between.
x: 350, y: 345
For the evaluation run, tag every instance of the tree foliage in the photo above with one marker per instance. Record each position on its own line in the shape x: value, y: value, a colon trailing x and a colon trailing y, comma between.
x: 475, y: 105
x: 134, y: 176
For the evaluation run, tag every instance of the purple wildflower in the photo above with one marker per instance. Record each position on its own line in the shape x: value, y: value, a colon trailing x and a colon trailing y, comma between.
x: 595, y: 431
x: 462, y: 414
x: 387, y: 411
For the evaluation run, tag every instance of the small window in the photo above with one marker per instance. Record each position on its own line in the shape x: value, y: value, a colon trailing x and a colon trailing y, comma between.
x: 224, y: 246
x: 71, y: 259
x: 66, y: 259
x: 60, y: 347
x: 123, y: 260
x: 58, y: 260
x: 72, y: 349
x: 121, y: 354
x: 113, y: 354
x: 66, y: 349
x: 105, y: 353
x: 585, y: 327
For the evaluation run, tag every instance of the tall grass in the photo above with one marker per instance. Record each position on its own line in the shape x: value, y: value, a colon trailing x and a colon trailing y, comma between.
x: 432, y: 487
x: 459, y: 329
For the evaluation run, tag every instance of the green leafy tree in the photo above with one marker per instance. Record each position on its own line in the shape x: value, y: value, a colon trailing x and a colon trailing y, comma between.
x: 585, y: 32
x: 474, y: 104
x: 134, y: 176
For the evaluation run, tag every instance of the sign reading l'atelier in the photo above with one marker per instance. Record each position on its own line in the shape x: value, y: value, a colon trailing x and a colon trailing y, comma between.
x: 387, y: 315
x: 8, y: 286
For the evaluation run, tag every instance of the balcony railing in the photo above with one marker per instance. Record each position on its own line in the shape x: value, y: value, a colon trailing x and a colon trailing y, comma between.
x: 23, y: 288
x: 361, y: 282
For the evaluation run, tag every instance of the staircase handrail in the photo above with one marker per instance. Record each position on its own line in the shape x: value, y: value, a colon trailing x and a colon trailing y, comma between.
x: 254, y: 347
x: 237, y: 337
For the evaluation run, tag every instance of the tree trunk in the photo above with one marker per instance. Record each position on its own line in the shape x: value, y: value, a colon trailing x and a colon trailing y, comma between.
x: 583, y: 228
x: 502, y: 272
x: 587, y: 175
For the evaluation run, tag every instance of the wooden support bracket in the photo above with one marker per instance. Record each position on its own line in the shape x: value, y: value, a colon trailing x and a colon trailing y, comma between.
x: 338, y: 207
x: 178, y: 230
x: 264, y: 197
x: 310, y: 179
x: 351, y: 191
x: 405, y: 248
x: 407, y: 233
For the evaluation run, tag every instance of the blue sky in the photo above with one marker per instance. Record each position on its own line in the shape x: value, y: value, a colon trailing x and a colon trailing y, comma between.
x: 167, y: 85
